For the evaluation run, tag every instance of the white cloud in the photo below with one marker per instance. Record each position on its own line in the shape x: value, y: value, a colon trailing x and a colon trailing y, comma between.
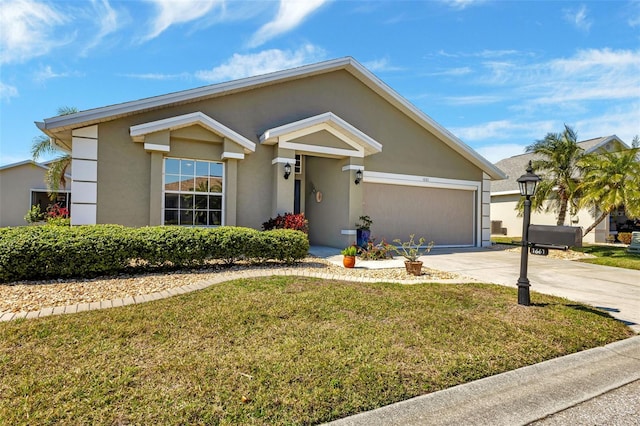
x: 108, y: 22
x: 462, y: 4
x: 159, y: 77
x: 291, y: 13
x: 47, y: 73
x: 28, y: 28
x: 495, y: 153
x: 7, y: 92
x: 172, y: 12
x: 381, y: 65
x: 473, y: 100
x: 578, y: 18
x: 240, y: 66
x: 505, y: 129
x: 451, y: 72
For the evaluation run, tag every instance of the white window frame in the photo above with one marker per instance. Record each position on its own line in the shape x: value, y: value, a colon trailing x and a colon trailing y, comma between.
x: 222, y: 193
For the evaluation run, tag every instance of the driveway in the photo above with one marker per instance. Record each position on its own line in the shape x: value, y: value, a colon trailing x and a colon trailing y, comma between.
x: 615, y: 290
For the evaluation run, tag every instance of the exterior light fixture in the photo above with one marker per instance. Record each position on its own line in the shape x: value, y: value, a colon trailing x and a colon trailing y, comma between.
x: 358, y: 177
x: 527, y: 184
x: 287, y: 170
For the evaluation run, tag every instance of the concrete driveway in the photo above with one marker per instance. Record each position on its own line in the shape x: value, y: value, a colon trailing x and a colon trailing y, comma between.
x: 615, y: 290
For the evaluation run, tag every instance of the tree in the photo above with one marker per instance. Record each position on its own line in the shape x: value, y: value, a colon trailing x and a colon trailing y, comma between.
x: 557, y: 164
x: 611, y: 180
x: 42, y: 145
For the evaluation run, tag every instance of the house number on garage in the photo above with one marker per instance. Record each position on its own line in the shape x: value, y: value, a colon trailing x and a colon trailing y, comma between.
x: 424, y: 179
x: 539, y: 251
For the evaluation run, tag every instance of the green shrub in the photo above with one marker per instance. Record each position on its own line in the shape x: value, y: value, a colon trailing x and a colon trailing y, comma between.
x: 45, y: 252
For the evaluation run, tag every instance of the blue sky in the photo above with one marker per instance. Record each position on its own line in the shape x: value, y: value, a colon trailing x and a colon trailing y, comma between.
x: 498, y: 74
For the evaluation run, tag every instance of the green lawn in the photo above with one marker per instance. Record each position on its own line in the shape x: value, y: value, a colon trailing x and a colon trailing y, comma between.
x: 280, y: 350
x: 611, y: 256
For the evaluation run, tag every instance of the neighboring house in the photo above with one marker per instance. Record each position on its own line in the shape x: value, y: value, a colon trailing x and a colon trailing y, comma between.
x: 22, y: 185
x: 216, y: 155
x: 505, y: 196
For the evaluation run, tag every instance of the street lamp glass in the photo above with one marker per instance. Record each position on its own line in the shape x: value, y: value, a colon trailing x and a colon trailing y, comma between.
x: 528, y: 182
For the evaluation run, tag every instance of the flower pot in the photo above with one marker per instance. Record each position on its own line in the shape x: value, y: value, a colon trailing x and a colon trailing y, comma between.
x: 349, y: 261
x: 362, y: 237
x: 414, y: 268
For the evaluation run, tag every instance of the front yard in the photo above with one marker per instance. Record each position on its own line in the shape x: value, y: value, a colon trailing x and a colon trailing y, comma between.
x: 279, y: 350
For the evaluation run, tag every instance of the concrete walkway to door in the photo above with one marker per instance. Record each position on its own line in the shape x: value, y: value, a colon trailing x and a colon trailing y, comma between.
x: 614, y: 290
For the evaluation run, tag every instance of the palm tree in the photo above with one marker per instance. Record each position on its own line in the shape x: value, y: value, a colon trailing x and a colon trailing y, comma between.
x: 557, y: 164
x: 42, y: 145
x: 611, y: 180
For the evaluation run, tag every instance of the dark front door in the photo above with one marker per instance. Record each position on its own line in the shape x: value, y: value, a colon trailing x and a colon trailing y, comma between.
x: 296, y: 196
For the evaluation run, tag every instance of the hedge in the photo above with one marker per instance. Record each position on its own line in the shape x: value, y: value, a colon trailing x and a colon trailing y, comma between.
x: 46, y: 252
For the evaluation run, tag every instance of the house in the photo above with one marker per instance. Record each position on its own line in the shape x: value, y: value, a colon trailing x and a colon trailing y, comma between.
x: 22, y: 185
x: 505, y: 196
x: 240, y: 152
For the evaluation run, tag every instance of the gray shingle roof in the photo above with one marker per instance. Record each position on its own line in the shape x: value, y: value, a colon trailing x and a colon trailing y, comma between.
x: 516, y: 166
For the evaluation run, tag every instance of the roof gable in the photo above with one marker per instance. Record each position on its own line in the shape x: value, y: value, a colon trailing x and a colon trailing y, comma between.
x: 58, y: 127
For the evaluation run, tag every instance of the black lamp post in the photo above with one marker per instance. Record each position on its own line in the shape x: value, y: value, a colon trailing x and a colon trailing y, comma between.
x: 527, y: 184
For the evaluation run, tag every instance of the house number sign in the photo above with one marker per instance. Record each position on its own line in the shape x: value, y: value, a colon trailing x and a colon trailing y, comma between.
x: 541, y: 251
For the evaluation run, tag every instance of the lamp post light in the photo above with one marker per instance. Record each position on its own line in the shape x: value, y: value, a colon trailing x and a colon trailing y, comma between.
x: 527, y: 184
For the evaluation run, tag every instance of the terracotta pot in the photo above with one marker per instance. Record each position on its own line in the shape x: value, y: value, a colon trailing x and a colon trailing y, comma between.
x: 349, y: 261
x: 414, y: 268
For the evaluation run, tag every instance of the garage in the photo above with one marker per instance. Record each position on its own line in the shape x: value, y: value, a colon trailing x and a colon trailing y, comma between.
x: 443, y: 215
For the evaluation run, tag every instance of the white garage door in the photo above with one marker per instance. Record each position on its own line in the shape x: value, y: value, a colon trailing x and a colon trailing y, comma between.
x: 445, y: 216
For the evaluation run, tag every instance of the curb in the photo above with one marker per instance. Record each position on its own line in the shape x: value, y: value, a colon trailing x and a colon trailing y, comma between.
x: 517, y: 397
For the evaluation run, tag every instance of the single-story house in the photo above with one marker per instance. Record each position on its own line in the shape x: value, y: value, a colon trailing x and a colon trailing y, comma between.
x: 22, y: 185
x: 219, y: 155
x: 505, y: 195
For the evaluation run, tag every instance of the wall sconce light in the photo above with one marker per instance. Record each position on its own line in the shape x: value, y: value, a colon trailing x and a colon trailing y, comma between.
x: 287, y: 170
x: 358, y: 177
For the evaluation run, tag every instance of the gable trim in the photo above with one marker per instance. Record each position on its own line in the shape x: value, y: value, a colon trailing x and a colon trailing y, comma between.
x: 138, y: 132
x: 284, y: 135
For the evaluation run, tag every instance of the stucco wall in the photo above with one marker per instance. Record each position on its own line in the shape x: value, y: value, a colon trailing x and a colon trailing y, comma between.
x: 503, y: 208
x: 124, y: 165
x: 15, y: 185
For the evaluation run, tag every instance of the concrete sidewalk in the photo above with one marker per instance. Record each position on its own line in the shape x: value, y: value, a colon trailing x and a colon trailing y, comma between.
x: 528, y: 394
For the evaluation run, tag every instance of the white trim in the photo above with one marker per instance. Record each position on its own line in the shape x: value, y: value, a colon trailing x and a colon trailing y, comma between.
x: 325, y: 150
x: 348, y: 232
x: 84, y: 149
x: 424, y: 181
x: 352, y: 167
x: 329, y: 122
x: 156, y: 147
x: 232, y: 155
x: 511, y: 192
x: 83, y: 214
x: 84, y: 170
x: 90, y: 132
x: 283, y: 160
x: 138, y: 131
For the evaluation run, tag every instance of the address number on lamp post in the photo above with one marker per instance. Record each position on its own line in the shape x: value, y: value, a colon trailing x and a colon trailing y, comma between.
x: 540, y: 251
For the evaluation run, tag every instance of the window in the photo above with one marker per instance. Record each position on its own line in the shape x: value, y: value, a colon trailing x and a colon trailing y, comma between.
x: 42, y: 199
x: 192, y: 192
x: 298, y: 168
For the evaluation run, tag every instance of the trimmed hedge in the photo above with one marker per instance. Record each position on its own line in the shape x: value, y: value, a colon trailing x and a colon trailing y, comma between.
x: 45, y: 252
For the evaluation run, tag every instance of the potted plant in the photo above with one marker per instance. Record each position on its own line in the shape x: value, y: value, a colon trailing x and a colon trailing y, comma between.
x: 411, y: 251
x: 363, y: 231
x: 349, y: 259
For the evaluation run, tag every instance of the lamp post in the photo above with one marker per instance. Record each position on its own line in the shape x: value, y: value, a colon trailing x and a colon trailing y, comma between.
x: 527, y: 184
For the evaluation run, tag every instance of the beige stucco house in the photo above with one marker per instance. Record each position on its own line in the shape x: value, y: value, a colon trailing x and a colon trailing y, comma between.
x: 216, y: 155
x: 505, y: 196
x: 23, y: 185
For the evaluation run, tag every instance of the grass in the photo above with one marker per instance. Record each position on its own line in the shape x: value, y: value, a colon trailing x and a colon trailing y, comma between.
x: 279, y: 350
x: 611, y: 256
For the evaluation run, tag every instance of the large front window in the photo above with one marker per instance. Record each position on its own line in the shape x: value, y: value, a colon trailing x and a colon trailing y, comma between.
x: 192, y: 192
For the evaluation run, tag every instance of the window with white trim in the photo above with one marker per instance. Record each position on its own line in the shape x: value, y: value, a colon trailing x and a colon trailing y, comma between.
x: 193, y: 192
